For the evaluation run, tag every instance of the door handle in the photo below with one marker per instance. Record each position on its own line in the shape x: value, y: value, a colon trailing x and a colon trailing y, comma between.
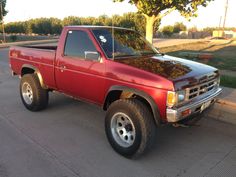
x: 62, y: 68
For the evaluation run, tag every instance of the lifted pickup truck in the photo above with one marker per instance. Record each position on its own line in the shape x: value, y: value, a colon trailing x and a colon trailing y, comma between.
x: 120, y: 71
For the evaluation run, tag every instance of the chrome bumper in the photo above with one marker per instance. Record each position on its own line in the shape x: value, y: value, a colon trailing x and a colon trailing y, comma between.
x: 176, y: 114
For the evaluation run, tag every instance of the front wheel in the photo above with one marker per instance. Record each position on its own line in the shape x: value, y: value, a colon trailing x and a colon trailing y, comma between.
x: 33, y: 96
x: 130, y: 128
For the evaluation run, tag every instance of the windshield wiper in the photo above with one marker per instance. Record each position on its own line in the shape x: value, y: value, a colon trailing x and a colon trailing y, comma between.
x: 152, y: 53
x: 148, y: 53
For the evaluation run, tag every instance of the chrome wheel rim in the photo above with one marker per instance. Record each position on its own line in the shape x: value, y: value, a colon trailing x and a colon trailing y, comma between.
x: 123, y: 130
x: 27, y: 93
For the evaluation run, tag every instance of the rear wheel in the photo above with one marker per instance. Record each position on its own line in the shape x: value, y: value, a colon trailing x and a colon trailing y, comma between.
x: 33, y: 96
x: 130, y: 128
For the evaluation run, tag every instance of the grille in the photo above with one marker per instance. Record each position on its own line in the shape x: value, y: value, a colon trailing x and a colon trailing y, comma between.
x: 206, y: 85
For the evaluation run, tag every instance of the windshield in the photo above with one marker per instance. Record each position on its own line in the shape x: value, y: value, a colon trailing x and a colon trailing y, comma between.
x: 126, y: 43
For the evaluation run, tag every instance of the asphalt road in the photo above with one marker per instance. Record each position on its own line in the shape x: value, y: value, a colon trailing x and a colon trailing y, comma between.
x: 68, y: 140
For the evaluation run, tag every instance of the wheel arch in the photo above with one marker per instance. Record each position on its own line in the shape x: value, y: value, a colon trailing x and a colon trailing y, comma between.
x: 30, y: 69
x: 120, y: 92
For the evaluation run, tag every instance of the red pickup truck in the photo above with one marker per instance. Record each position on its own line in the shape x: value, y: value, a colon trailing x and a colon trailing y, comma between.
x: 117, y: 69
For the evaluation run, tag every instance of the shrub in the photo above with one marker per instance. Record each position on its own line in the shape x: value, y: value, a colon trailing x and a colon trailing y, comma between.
x: 13, y: 38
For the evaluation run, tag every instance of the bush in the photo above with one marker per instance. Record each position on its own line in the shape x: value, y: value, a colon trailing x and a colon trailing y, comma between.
x: 168, y: 30
x: 179, y: 27
x: 13, y: 38
x: 228, y: 81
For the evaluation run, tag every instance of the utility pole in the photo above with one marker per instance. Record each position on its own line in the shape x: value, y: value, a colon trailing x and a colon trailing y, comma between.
x: 3, y: 29
x: 219, y: 26
x: 226, y: 9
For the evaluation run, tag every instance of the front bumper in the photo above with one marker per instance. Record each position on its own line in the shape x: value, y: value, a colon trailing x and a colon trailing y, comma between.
x: 177, y: 114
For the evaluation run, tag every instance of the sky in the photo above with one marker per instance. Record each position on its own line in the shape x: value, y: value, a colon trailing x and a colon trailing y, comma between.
x: 20, y: 10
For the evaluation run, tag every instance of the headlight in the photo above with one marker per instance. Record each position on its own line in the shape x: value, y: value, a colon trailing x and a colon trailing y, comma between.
x: 181, y: 96
x: 174, y: 98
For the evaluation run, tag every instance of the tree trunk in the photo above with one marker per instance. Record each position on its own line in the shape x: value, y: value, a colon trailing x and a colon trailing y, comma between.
x: 149, y: 28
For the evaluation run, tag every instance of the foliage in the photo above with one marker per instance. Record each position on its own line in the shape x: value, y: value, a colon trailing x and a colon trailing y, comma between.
x: 187, y: 8
x: 54, y: 26
x: 71, y: 20
x: 228, y: 81
x: 15, y: 27
x: 38, y: 26
x: 179, y: 27
x: 176, y: 28
x: 155, y: 10
x: 4, y: 13
x: 168, y: 30
x: 46, y: 25
x: 13, y: 38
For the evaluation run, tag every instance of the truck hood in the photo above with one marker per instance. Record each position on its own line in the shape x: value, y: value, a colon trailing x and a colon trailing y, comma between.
x: 172, y: 68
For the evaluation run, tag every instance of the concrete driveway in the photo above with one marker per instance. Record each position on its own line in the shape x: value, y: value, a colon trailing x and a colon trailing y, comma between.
x: 68, y: 140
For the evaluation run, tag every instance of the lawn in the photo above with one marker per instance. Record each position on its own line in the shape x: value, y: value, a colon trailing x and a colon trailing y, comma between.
x: 228, y: 81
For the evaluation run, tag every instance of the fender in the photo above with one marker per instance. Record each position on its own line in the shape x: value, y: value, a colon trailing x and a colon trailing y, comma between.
x: 37, y: 72
x: 140, y: 93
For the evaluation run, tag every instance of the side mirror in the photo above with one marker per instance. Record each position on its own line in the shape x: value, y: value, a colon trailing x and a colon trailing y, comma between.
x: 92, y: 55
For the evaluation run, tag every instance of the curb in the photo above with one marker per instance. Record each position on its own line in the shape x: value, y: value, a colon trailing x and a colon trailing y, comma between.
x: 6, y: 45
x: 224, y: 111
x: 228, y: 103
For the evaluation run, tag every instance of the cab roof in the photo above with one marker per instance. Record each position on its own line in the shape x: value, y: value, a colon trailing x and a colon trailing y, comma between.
x: 98, y: 27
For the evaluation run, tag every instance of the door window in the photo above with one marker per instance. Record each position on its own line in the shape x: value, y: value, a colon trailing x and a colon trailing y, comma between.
x: 78, y: 44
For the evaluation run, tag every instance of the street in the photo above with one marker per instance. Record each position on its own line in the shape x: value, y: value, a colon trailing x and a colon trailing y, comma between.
x: 68, y: 140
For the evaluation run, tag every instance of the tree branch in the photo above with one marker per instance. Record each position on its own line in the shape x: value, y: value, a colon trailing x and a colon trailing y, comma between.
x: 145, y: 15
x: 166, y: 13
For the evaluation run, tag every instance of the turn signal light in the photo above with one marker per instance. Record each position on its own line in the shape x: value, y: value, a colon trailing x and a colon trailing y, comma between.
x: 186, y: 113
x: 171, y: 98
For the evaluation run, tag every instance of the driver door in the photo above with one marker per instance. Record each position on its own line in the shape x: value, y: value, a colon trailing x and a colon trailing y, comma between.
x: 77, y: 73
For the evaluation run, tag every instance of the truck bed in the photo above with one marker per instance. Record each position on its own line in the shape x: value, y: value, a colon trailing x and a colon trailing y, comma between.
x: 40, y: 57
x: 42, y: 47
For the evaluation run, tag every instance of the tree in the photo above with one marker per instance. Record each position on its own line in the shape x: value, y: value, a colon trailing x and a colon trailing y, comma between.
x: 3, y: 10
x: 102, y: 20
x: 56, y: 26
x: 136, y: 21
x: 168, y: 30
x: 71, y: 20
x: 179, y: 27
x: 27, y: 27
x: 155, y: 10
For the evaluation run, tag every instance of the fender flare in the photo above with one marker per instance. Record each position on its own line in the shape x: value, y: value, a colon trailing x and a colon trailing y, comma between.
x: 144, y: 95
x: 37, y: 72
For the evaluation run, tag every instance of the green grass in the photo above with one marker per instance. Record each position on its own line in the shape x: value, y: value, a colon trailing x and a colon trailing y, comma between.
x: 228, y: 81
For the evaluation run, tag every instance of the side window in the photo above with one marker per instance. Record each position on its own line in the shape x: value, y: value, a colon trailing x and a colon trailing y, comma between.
x: 78, y: 44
